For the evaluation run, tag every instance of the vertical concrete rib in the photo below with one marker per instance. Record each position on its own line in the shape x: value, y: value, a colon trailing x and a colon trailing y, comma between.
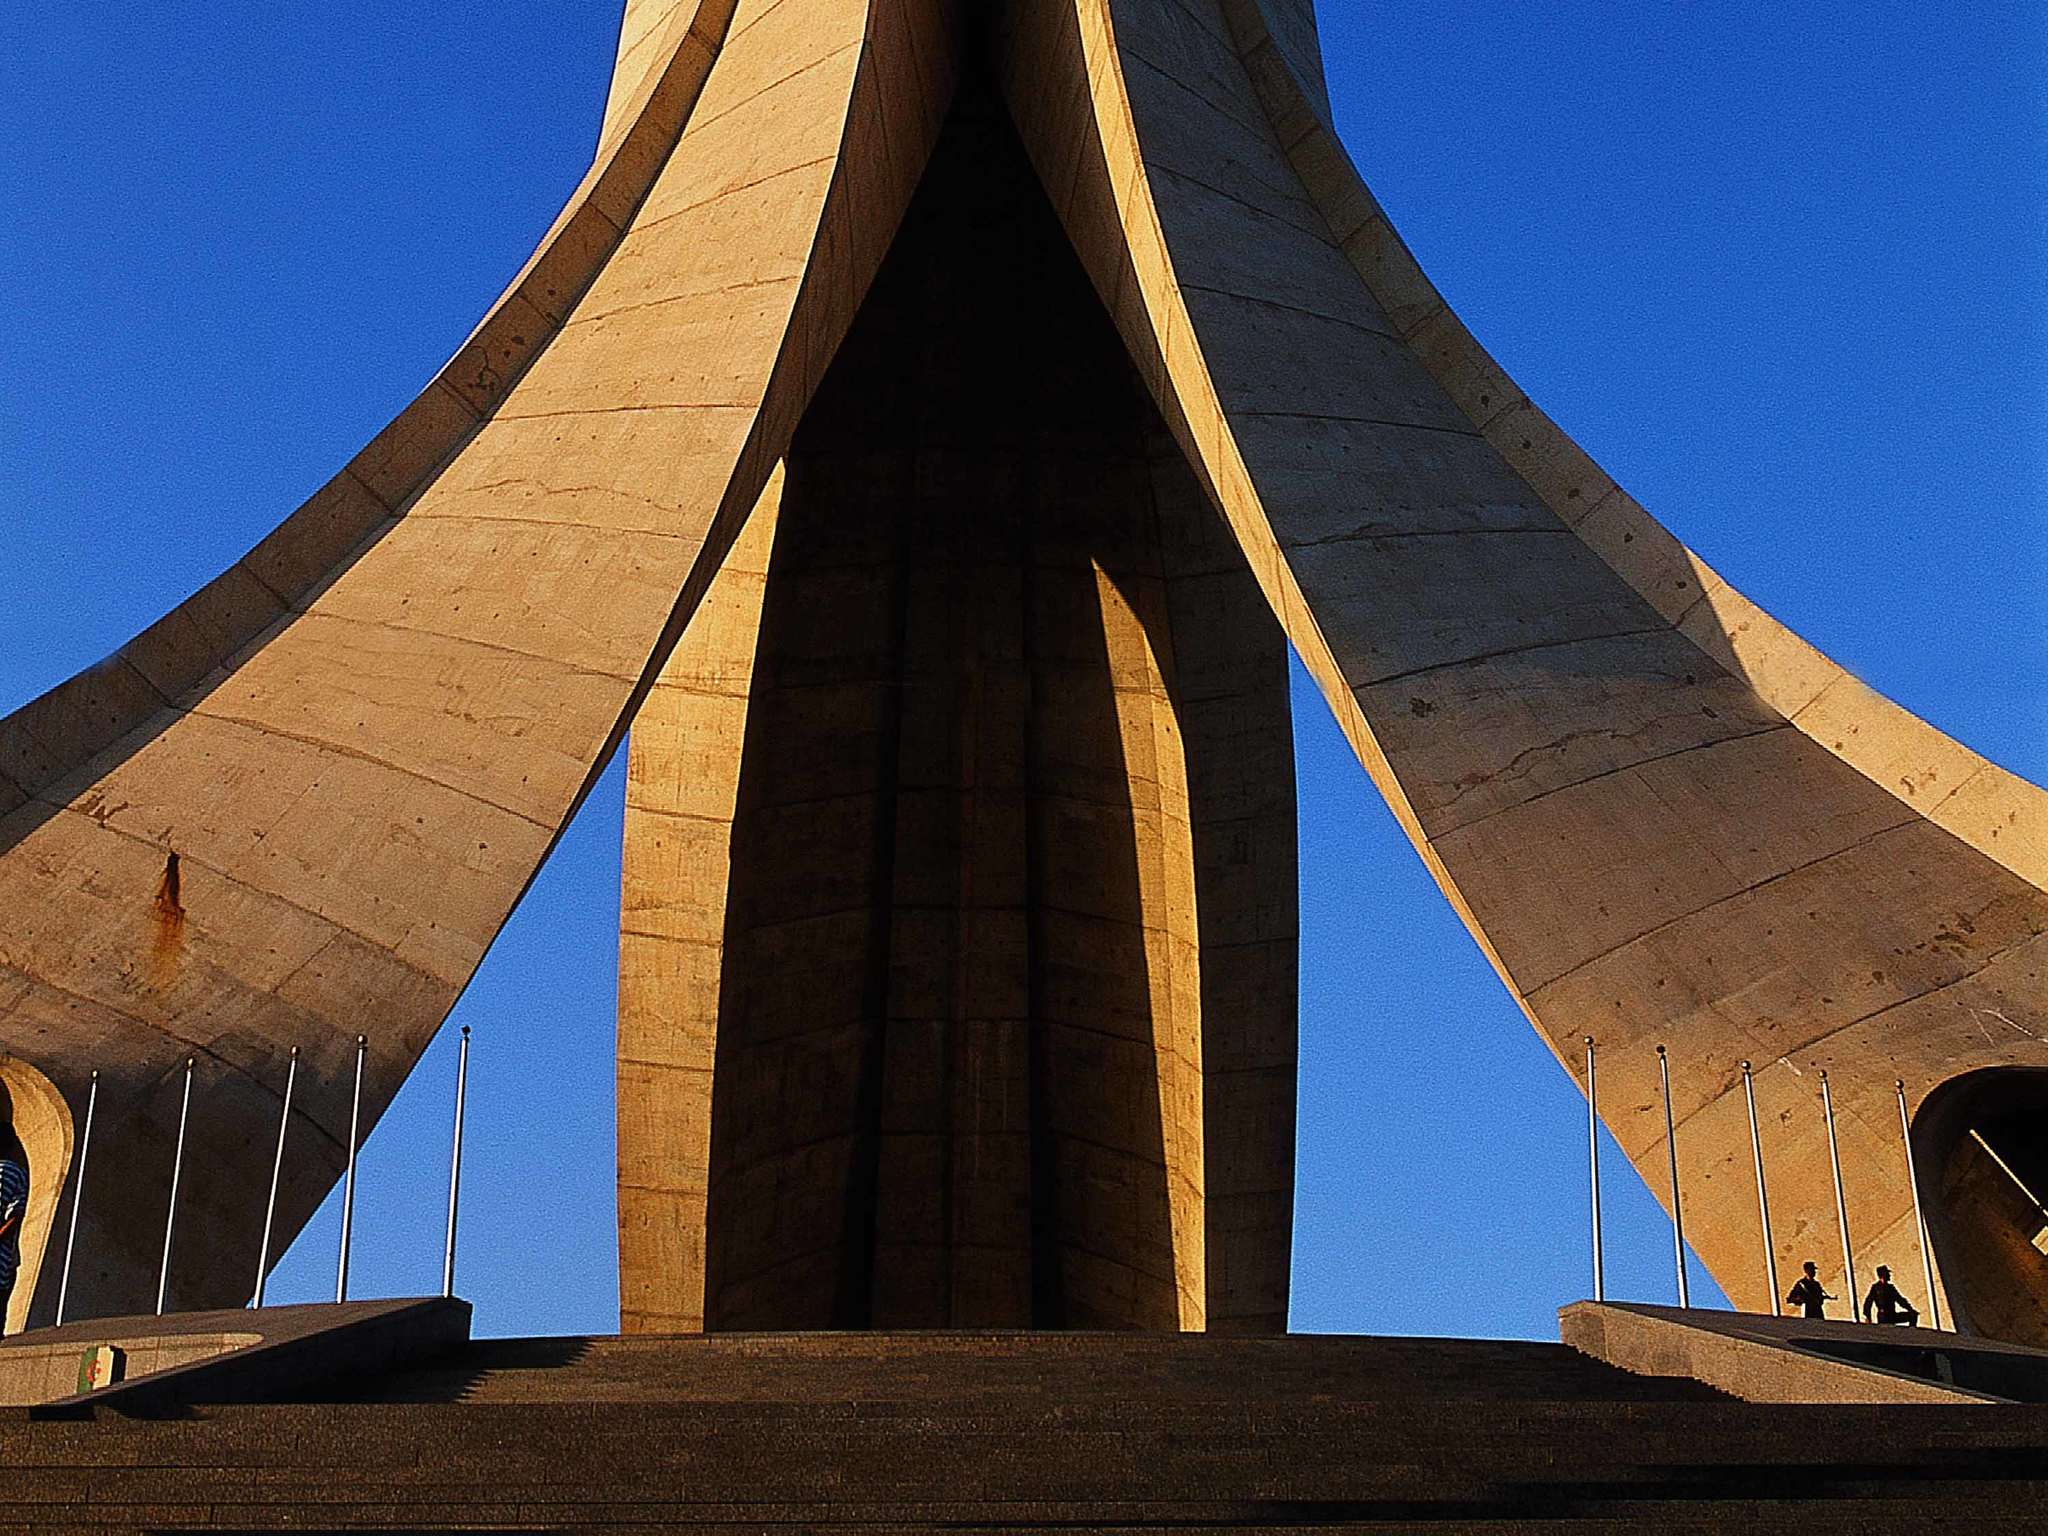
x: 682, y: 785
x: 1230, y: 696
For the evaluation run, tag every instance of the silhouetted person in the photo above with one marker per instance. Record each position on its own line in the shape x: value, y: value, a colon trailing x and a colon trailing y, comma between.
x: 13, y: 1207
x: 1889, y: 1305
x: 1807, y: 1295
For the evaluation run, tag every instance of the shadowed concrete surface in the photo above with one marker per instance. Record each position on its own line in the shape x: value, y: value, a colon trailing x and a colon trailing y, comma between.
x: 960, y: 981
x: 1805, y: 1360
x: 1004, y: 1032
x: 987, y: 1432
x: 240, y: 1356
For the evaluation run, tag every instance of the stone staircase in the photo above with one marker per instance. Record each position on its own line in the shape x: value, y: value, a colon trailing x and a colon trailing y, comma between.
x: 862, y: 1433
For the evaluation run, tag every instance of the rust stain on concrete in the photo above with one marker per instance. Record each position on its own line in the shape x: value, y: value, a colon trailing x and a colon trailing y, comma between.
x: 168, y: 925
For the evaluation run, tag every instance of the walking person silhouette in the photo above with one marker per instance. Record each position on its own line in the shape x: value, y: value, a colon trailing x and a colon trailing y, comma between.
x: 1807, y: 1293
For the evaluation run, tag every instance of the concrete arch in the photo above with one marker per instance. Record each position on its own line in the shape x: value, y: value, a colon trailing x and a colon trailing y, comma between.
x: 1980, y: 1142
x: 41, y: 1123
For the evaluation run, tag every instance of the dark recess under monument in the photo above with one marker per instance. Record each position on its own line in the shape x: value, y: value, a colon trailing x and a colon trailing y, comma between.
x: 949, y: 1037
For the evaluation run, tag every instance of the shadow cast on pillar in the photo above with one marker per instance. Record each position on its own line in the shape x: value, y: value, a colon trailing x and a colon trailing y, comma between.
x: 959, y: 1061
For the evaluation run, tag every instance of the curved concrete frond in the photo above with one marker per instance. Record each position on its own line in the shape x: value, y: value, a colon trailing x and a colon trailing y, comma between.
x: 304, y: 803
x: 959, y: 897
x: 1986, y: 806
x: 1662, y: 816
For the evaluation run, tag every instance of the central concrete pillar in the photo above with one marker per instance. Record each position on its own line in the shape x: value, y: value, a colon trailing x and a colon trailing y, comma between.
x: 1011, y: 808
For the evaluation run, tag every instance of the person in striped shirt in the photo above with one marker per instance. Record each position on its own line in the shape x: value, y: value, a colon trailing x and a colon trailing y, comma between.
x: 13, y: 1207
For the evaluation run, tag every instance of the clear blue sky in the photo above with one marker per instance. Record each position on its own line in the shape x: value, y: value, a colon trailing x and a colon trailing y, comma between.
x: 1780, y: 268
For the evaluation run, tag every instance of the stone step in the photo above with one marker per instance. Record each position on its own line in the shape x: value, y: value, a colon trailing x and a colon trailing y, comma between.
x: 502, y: 1514
x: 1802, y: 1522
x: 1010, y: 1433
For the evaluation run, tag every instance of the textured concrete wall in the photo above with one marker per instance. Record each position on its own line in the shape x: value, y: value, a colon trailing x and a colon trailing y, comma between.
x: 1662, y: 816
x: 360, y: 743
x: 310, y: 796
x: 648, y: 32
x: 1232, y: 709
x: 999, y: 875
x: 1772, y: 1360
x: 682, y: 783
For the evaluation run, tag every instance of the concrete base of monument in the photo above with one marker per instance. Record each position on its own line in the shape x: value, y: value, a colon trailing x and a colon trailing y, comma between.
x: 866, y: 1434
x: 239, y: 1356
x: 1797, y: 1360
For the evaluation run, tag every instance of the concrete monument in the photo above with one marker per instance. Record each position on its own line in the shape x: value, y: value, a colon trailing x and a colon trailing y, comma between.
x: 922, y: 433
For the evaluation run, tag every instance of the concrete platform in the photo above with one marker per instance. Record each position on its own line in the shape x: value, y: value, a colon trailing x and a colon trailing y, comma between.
x: 227, y: 1356
x: 1800, y: 1360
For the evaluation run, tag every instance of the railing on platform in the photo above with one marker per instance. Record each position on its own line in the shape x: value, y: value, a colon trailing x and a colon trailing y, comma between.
x: 286, y: 1106
x: 163, y: 1276
x: 1679, y: 1257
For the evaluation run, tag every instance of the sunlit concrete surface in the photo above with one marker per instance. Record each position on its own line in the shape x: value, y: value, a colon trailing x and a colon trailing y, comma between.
x: 1079, y: 374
